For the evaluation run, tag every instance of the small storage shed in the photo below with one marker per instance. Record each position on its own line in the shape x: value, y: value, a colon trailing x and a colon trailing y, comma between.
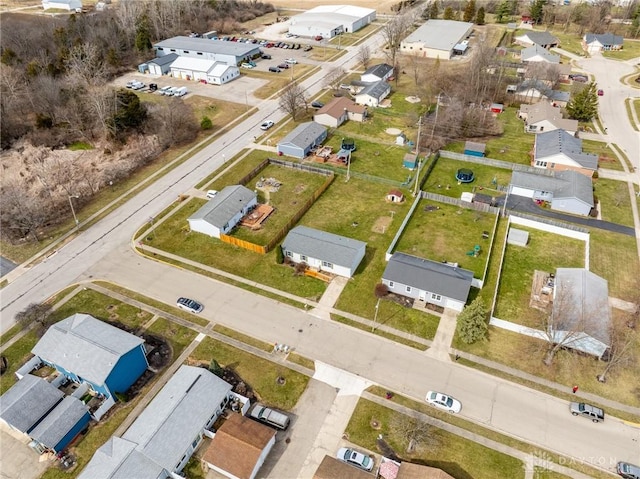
x: 161, y: 65
x: 517, y: 237
x: 410, y: 160
x: 474, y: 149
x: 395, y: 196
x: 497, y: 108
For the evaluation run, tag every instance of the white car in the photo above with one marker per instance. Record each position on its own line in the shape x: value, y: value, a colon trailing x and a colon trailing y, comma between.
x: 355, y: 458
x: 291, y: 61
x: 138, y: 85
x: 444, y: 402
x: 212, y: 194
x: 189, y: 305
x: 266, y: 125
x: 165, y: 90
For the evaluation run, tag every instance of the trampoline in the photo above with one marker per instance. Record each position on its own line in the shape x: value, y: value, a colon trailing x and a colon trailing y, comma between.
x: 464, y: 175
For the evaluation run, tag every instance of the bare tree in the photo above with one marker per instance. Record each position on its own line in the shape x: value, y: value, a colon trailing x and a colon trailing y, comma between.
x: 293, y: 100
x: 364, y: 55
x: 84, y: 64
x: 36, y: 314
x: 414, y: 432
x: 623, y: 343
x: 333, y: 78
x: 394, y: 32
x: 174, y: 122
x: 22, y: 213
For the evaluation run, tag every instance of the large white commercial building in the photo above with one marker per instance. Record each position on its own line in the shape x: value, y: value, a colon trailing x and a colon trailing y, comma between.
x: 231, y: 53
x: 436, y: 39
x: 328, y: 21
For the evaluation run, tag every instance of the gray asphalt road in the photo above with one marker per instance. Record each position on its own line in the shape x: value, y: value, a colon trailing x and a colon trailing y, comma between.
x: 6, y: 266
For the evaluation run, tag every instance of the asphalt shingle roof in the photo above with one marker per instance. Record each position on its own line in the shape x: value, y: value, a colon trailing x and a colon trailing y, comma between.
x: 551, y: 143
x: 375, y: 90
x: 59, y: 422
x: 546, y: 111
x: 605, y: 39
x: 207, y: 45
x: 336, y: 107
x: 535, y: 50
x: 225, y: 205
x: 427, y: 275
x: 27, y: 401
x: 335, y: 249
x: 440, y: 34
x: 173, y: 419
x: 564, y: 184
x: 86, y: 346
x: 379, y: 70
x: 541, y: 38
x: 161, y: 61
x: 304, y: 134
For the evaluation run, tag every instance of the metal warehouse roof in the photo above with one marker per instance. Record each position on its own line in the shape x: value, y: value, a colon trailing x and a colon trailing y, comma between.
x: 27, y: 401
x: 208, y: 46
x: 440, y: 34
x: 427, y: 275
x: 304, y: 134
x: 331, y: 16
x: 350, y: 10
x: 59, y: 422
x: 554, y: 142
x: 163, y: 60
x: 335, y: 249
x: 193, y: 64
x: 85, y: 346
x: 563, y: 184
x: 225, y: 205
x: 173, y: 419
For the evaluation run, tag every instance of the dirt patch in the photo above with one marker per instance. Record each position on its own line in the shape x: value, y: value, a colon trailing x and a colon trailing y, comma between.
x: 381, y: 224
x: 159, y: 351
x: 299, y: 189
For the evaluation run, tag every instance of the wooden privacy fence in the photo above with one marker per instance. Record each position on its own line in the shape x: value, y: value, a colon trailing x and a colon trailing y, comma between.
x: 256, y: 248
x: 318, y: 275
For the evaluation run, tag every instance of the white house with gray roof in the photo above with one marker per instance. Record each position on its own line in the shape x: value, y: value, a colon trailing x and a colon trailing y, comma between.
x: 436, y: 39
x: 89, y: 351
x: 302, y: 140
x: 162, y: 439
x: 557, y: 150
x: 373, y: 93
x: 594, y: 42
x: 582, y: 312
x: 324, y: 251
x: 536, y: 53
x: 376, y: 73
x: 428, y: 281
x: 224, y: 211
x: 231, y: 53
x: 567, y: 191
x: 543, y: 116
x: 544, y: 39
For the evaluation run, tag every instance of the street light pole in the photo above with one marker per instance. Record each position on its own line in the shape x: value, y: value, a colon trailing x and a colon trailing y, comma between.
x: 375, y: 316
x: 73, y: 211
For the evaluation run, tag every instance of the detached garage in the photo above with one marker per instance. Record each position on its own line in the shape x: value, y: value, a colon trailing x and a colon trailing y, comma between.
x: 191, y: 68
x: 161, y: 65
x: 302, y: 139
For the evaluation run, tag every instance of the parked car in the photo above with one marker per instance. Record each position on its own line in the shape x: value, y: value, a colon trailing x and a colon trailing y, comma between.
x: 269, y: 416
x: 182, y: 91
x: 266, y: 125
x: 274, y: 69
x: 587, y: 410
x: 344, y: 86
x: 291, y: 61
x: 190, y: 305
x: 628, y: 471
x: 137, y: 85
x: 246, y: 65
x: 266, y: 56
x: 317, y: 104
x: 131, y: 83
x: 355, y: 458
x: 211, y: 194
x: 318, y: 38
x: 283, y: 66
x: 444, y: 402
x: 600, y: 92
x: 164, y: 90
x: 153, y: 86
x: 308, y: 48
x: 579, y: 78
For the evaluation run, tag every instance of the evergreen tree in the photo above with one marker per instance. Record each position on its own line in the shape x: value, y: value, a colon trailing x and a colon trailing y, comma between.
x: 279, y: 255
x: 469, y: 11
x: 502, y: 12
x: 480, y: 16
x: 434, y: 11
x: 472, y: 322
x: 215, y: 368
x: 143, y: 34
x: 537, y: 10
x: 206, y: 123
x: 584, y: 104
x: 448, y: 13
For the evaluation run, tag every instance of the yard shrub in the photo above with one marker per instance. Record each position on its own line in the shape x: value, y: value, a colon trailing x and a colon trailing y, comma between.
x: 206, y: 123
x: 472, y: 322
x: 279, y: 255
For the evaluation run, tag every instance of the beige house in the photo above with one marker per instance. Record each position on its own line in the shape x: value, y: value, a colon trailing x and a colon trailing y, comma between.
x: 543, y: 116
x: 557, y: 150
x: 339, y: 110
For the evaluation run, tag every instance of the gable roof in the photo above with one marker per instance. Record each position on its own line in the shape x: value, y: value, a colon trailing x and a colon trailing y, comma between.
x: 161, y: 61
x: 220, y: 69
x: 427, y: 275
x: 238, y: 445
x: 440, y: 34
x: 603, y: 38
x: 304, y: 134
x: 207, y: 46
x: 563, y: 184
x: 540, y: 38
x: 555, y: 142
x: 543, y: 110
x: 586, y: 298
x: 375, y: 90
x: 336, y: 107
x: 332, y: 468
x: 182, y: 408
x: 27, y: 401
x: 335, y: 249
x: 225, y: 205
x: 379, y: 70
x: 118, y: 459
x: 85, y: 346
x: 536, y: 50
x: 195, y: 64
x: 60, y: 421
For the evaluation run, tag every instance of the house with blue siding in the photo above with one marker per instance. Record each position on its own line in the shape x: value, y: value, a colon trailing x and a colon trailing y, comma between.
x: 89, y: 351
x: 56, y: 431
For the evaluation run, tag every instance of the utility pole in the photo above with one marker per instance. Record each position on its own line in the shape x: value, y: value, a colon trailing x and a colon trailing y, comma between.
x: 415, y: 189
x: 73, y: 211
x: 435, y: 121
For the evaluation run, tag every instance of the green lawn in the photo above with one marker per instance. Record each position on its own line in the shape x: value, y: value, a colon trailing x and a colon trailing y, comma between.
x: 630, y: 49
x: 259, y: 374
x: 614, y: 257
x: 447, y: 234
x: 544, y: 252
x: 615, y: 202
x: 442, y: 179
x: 607, y: 157
x: 17, y: 354
x: 455, y: 455
x: 178, y: 336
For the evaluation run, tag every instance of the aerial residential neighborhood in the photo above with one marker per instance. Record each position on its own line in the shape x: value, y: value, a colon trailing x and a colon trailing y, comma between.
x: 395, y: 239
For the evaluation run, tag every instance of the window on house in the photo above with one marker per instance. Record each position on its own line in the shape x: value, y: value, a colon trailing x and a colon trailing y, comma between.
x: 289, y: 254
x: 391, y: 284
x: 195, y: 442
x: 199, y: 53
x: 542, y: 128
x: 326, y: 264
x: 436, y: 297
x: 541, y: 164
x: 303, y: 257
x: 553, y: 165
x: 161, y: 49
x: 186, y: 51
x: 408, y: 289
x: 173, y: 49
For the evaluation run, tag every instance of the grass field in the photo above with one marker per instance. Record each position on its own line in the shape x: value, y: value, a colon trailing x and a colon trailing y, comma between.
x: 544, y: 252
x: 455, y: 455
x: 613, y: 256
x: 615, y: 202
x: 259, y: 374
x: 630, y: 49
x: 447, y: 234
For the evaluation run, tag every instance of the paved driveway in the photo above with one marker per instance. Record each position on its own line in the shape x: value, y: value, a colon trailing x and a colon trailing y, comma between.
x: 19, y: 461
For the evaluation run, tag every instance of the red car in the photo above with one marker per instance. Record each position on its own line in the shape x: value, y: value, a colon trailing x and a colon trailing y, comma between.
x: 600, y: 92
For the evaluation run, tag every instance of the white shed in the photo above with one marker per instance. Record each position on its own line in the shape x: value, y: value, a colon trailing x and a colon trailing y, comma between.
x: 517, y: 237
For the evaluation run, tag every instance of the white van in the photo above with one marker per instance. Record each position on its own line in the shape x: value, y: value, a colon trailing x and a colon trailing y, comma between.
x: 182, y: 91
x: 171, y: 91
